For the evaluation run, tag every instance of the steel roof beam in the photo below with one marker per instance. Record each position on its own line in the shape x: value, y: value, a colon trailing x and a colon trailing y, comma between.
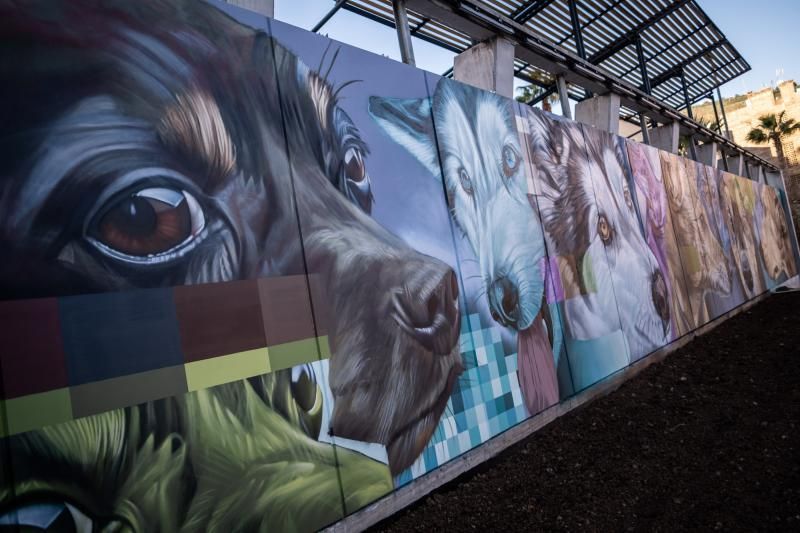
x: 676, y: 70
x: 669, y: 47
x: 527, y: 11
x: 482, y: 22
x: 724, y: 65
x: 627, y: 38
x: 594, y: 19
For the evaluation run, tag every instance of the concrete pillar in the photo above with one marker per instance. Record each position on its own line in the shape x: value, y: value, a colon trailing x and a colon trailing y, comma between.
x: 666, y: 137
x: 708, y: 154
x: 263, y: 7
x: 488, y: 65
x: 602, y: 112
x: 736, y: 164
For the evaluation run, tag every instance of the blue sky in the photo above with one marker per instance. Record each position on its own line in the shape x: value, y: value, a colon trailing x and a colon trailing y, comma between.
x: 751, y: 25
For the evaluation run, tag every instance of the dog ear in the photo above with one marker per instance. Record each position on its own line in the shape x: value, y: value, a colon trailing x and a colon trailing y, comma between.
x: 408, y: 122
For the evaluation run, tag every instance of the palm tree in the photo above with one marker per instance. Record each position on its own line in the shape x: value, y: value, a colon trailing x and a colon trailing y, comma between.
x: 528, y: 93
x: 772, y: 128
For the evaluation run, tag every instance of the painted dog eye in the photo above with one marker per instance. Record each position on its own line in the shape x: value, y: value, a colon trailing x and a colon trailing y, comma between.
x: 605, y: 230
x: 148, y: 223
x: 510, y: 160
x: 466, y: 181
x: 304, y: 387
x: 354, y: 165
x: 47, y: 516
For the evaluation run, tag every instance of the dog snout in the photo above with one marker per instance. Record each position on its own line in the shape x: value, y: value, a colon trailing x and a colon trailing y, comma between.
x: 658, y: 291
x: 504, y: 301
x: 430, y: 313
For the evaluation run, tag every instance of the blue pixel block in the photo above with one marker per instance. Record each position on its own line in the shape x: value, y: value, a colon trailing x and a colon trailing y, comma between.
x: 119, y: 333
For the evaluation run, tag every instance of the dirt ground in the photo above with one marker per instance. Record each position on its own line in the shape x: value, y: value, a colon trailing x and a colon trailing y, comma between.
x: 707, y: 439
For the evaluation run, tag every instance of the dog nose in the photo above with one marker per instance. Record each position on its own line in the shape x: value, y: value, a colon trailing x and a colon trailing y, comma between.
x: 658, y: 292
x: 504, y: 301
x: 431, y: 315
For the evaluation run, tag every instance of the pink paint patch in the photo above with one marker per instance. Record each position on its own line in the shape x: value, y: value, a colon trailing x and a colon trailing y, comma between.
x: 554, y: 291
x: 537, y: 372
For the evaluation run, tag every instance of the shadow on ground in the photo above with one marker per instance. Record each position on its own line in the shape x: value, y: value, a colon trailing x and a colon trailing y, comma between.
x: 706, y: 439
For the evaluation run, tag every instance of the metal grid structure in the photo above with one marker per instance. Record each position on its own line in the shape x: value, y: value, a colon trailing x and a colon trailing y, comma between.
x: 659, y: 56
x: 676, y: 36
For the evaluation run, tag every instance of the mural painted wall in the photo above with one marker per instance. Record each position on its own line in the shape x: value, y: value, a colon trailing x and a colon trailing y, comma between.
x: 253, y: 278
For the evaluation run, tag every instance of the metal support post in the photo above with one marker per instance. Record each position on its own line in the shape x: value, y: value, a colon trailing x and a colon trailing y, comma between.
x: 692, y: 148
x: 725, y: 118
x: 642, y: 65
x: 645, y: 84
x: 576, y: 31
x: 643, y: 124
x: 403, y: 32
x: 563, y: 96
x: 716, y: 116
x: 318, y: 26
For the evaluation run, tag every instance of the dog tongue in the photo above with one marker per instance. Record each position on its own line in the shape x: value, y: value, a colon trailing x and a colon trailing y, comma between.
x: 537, y: 372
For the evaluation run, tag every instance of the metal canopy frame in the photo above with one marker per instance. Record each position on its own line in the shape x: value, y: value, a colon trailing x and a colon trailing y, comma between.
x: 596, y: 46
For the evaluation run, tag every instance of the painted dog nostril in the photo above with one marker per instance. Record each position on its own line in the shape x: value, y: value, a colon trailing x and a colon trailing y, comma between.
x: 454, y: 286
x: 510, y: 301
x: 432, y: 319
x: 504, y: 301
x: 658, y: 290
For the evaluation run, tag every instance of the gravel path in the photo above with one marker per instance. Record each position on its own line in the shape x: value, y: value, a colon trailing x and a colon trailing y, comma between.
x: 707, y: 439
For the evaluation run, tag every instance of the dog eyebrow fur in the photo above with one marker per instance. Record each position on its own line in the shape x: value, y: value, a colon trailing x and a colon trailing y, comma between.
x: 193, y: 126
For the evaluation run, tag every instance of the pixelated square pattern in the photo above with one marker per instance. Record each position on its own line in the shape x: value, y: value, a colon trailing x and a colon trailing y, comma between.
x: 119, y: 333
x: 31, y: 359
x: 219, y: 319
x: 485, y: 401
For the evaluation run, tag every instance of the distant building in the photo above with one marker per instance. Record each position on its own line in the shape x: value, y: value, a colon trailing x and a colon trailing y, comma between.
x: 743, y: 111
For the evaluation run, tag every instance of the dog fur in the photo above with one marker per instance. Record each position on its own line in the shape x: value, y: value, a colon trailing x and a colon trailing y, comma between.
x: 485, y: 179
x: 582, y: 184
x: 701, y: 254
x: 655, y: 213
x: 174, y: 102
x: 776, y: 248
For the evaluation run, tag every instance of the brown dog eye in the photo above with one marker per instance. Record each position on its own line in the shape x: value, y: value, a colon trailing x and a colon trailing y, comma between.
x: 354, y: 165
x: 604, y: 230
x: 149, y: 222
x: 510, y: 160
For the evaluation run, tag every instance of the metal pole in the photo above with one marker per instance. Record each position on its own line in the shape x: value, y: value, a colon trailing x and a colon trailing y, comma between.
x: 642, y: 65
x: 403, y: 32
x: 686, y: 95
x: 576, y: 31
x: 722, y: 108
x: 692, y: 148
x: 725, y: 162
x: 318, y: 26
x: 716, y: 116
x: 643, y: 124
x: 563, y: 96
x: 645, y: 84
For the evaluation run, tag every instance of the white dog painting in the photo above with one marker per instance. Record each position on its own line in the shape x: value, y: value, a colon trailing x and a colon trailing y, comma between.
x: 484, y: 176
